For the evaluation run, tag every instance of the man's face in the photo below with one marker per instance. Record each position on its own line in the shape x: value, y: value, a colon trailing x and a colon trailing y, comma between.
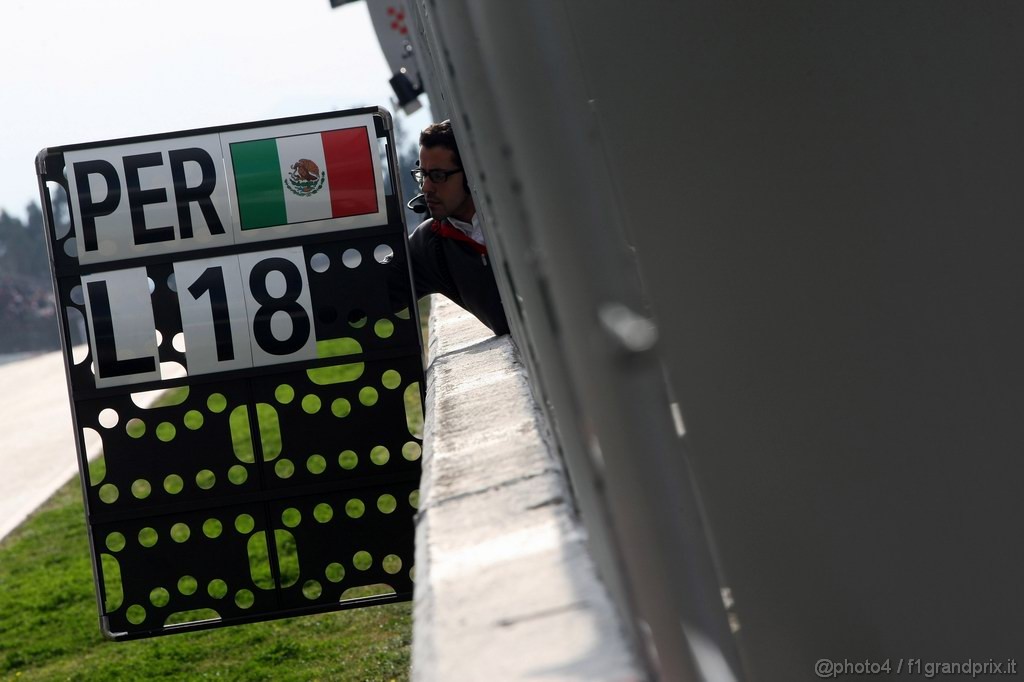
x: 448, y: 198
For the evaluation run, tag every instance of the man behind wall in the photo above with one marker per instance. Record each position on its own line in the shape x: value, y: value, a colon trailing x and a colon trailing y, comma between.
x: 448, y: 252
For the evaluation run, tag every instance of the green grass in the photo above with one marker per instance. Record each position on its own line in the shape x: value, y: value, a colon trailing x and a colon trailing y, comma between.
x: 424, y: 312
x: 49, y: 627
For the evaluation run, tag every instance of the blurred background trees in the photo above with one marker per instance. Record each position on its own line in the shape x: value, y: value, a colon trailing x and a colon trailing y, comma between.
x: 28, y: 319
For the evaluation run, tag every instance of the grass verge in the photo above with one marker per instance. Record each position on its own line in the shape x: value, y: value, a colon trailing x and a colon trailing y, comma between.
x: 49, y: 629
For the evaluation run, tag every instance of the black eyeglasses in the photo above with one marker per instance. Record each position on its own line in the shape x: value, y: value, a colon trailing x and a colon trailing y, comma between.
x: 437, y: 176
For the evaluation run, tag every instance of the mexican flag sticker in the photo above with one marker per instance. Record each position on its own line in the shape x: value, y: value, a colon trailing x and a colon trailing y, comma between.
x: 299, y: 178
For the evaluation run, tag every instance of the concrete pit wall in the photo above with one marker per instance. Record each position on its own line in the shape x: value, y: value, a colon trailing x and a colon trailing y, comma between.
x: 505, y: 587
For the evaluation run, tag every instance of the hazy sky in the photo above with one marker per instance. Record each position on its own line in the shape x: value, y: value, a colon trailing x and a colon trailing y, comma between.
x: 85, y: 70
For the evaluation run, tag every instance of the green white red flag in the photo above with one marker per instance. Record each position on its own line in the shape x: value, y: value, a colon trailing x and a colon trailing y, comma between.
x: 301, y: 178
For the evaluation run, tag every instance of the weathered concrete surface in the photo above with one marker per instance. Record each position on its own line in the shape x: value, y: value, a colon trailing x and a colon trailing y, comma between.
x: 505, y: 589
x: 37, y: 446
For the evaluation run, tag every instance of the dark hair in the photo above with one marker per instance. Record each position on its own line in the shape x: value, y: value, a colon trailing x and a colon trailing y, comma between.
x: 441, y: 135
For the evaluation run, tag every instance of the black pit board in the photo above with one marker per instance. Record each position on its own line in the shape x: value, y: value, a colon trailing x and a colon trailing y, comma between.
x: 281, y: 469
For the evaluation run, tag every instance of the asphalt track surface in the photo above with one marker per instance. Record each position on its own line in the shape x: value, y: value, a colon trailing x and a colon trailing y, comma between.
x: 37, y: 440
x: 37, y: 446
